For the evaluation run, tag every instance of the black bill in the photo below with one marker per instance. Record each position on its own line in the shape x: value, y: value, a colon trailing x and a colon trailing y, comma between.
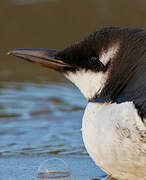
x: 42, y: 57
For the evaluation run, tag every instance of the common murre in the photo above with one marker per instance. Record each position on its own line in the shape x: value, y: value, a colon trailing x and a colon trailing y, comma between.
x: 109, y: 67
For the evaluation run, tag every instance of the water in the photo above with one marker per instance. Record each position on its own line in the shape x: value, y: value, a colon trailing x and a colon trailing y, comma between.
x: 40, y: 132
x: 29, y: 110
x: 40, y: 113
x: 53, y: 168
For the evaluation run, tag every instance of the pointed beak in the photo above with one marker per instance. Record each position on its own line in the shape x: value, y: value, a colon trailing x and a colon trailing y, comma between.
x: 41, y: 57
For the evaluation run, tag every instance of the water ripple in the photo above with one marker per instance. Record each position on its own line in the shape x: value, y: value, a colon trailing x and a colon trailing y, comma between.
x: 40, y: 118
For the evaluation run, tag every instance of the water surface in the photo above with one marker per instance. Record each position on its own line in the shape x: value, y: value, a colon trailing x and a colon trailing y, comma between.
x: 40, y: 118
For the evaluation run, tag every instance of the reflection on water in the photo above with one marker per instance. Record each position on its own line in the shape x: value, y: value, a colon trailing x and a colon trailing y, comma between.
x: 40, y: 118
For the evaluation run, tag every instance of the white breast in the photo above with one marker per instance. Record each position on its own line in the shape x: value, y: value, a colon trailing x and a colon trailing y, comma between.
x: 115, y: 138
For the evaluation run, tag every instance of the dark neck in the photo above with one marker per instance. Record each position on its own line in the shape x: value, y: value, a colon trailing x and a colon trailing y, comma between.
x: 127, y: 77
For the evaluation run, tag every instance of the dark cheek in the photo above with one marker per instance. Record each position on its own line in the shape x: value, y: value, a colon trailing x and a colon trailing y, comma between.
x: 97, y: 67
x: 100, y: 67
x: 66, y: 70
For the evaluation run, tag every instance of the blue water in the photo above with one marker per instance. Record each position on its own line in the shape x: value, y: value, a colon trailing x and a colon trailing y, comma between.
x: 37, y: 123
x: 40, y: 118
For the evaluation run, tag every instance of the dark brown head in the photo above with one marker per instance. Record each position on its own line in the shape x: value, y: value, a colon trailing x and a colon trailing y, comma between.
x: 101, y: 65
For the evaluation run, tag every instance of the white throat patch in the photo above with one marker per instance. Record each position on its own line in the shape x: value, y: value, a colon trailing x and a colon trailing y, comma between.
x: 89, y: 82
x: 110, y: 53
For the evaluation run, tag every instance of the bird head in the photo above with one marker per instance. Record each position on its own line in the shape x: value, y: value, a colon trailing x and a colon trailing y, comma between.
x: 89, y: 63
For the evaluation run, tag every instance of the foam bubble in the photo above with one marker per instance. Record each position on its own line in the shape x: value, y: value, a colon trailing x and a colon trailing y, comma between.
x: 53, y: 168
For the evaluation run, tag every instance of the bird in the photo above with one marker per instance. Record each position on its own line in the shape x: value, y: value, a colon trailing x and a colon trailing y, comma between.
x: 109, y: 68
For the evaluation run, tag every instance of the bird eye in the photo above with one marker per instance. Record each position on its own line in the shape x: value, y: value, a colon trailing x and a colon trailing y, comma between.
x: 93, y: 60
x: 96, y: 64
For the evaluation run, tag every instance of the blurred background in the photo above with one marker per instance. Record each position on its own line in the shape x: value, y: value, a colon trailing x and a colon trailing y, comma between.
x: 56, y: 24
x: 40, y: 112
